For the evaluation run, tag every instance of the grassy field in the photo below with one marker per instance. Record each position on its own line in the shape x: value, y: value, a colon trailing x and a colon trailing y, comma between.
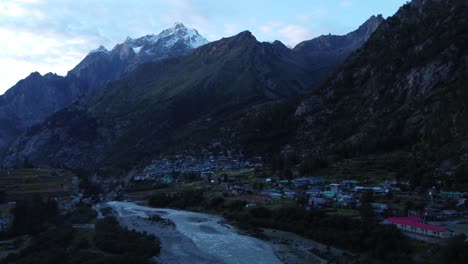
x: 370, y: 170
x: 344, y: 212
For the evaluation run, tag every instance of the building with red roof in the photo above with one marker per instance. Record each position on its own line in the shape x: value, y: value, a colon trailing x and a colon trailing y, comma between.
x: 415, y: 224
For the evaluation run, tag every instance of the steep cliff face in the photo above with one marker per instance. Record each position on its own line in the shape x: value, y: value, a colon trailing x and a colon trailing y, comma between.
x: 406, y: 89
x: 326, y: 52
x: 32, y: 100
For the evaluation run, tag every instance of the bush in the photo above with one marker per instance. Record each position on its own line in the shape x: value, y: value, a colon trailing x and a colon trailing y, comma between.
x: 112, y: 238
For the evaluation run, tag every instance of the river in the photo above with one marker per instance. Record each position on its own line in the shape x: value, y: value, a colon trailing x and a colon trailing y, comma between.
x: 196, y: 237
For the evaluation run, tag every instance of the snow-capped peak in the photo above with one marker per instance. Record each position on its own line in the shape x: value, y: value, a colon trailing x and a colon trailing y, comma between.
x: 178, y: 25
x: 167, y: 39
x: 179, y: 32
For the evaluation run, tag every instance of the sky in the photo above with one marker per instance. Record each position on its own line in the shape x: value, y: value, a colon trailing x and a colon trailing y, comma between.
x: 55, y: 35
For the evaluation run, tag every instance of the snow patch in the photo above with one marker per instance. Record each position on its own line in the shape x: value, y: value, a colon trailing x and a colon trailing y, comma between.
x: 137, y: 49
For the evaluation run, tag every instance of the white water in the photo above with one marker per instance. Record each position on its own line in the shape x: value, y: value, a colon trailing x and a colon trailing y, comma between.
x: 208, y: 233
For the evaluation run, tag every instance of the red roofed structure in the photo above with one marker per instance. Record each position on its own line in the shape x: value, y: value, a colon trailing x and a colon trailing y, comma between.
x: 415, y: 224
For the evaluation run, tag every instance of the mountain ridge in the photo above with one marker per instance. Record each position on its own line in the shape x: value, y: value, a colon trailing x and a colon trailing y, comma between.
x: 219, y: 79
x: 36, y: 97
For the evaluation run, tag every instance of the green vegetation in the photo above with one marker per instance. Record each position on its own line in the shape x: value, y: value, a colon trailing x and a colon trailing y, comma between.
x: 111, y: 237
x: 109, y: 243
x: 180, y: 200
x: 32, y: 217
x: 456, y: 251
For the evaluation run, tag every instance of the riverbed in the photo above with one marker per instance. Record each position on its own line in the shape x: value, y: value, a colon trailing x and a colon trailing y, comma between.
x: 194, y: 237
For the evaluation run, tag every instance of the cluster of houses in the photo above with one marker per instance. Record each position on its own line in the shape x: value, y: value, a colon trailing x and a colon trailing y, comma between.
x: 348, y: 193
x: 319, y: 194
x: 436, y: 213
x: 164, y: 170
x: 447, y: 194
x: 308, y: 191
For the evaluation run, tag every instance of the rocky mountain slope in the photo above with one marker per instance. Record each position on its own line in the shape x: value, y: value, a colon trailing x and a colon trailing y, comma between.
x: 327, y: 51
x: 32, y: 100
x: 404, y: 91
x: 390, y: 95
x: 146, y: 113
x: 36, y: 97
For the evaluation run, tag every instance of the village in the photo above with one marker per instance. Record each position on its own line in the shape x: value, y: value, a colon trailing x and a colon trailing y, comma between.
x: 169, y: 170
x: 431, y: 217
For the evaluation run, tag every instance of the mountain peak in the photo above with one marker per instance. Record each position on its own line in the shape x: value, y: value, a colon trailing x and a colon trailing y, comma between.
x: 34, y: 74
x: 179, y: 32
x: 101, y: 48
x: 370, y: 25
x: 245, y: 35
x: 178, y: 25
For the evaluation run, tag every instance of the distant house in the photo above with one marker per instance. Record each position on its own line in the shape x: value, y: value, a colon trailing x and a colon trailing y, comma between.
x: 283, y: 182
x: 141, y: 177
x: 390, y: 184
x: 273, y: 194
x: 329, y: 194
x: 449, y: 214
x: 316, y: 180
x: 251, y: 205
x: 303, y: 181
x: 3, y: 225
x: 348, y: 184
x: 376, y: 190
x: 291, y: 194
x: 379, y: 208
x: 344, y: 199
x: 335, y: 187
x: 300, y: 182
x: 167, y: 179
x: 314, y: 192
x: 414, y: 224
x: 454, y: 194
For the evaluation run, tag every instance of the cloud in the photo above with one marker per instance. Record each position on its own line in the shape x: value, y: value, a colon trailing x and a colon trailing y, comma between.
x: 293, y: 34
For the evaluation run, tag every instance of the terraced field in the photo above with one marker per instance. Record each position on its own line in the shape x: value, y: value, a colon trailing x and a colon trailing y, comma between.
x: 24, y: 183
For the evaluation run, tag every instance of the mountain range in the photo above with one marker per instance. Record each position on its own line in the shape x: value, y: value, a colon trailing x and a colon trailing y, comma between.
x: 36, y: 97
x: 401, y: 96
x: 230, y: 73
x: 393, y: 87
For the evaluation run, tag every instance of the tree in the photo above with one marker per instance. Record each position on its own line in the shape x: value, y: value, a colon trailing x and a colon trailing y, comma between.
x: 3, y: 197
x: 456, y: 251
x: 287, y: 174
x: 388, y: 243
x: 367, y: 197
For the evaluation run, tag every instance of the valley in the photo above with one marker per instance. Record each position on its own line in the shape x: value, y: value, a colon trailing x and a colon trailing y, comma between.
x: 172, y: 148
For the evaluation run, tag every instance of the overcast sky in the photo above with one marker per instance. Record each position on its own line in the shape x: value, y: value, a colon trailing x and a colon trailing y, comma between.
x: 55, y: 35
